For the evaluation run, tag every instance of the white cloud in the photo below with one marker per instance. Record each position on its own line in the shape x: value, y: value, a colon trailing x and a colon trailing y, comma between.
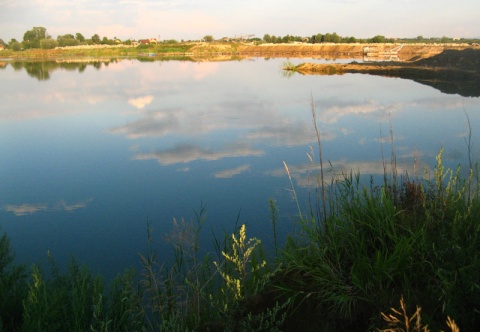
x: 140, y: 102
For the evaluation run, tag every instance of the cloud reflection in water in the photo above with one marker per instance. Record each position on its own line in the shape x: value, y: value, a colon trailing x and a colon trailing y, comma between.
x: 29, y: 209
x: 229, y: 173
x: 185, y: 153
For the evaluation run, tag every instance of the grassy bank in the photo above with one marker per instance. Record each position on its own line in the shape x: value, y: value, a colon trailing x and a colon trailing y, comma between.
x: 99, y: 51
x: 407, y: 248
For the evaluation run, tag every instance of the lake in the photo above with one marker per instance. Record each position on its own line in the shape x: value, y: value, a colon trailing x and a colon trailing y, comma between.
x: 92, y: 152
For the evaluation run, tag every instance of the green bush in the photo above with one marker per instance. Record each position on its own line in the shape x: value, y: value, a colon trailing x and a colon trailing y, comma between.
x: 13, y: 288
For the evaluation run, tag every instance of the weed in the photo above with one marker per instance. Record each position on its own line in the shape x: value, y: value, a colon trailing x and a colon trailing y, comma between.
x: 401, y: 321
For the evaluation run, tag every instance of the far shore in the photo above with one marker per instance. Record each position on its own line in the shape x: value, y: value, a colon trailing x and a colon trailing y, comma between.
x: 451, y: 68
x: 224, y: 51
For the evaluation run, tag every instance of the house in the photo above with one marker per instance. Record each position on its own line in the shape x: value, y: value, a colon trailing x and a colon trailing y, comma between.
x: 147, y: 41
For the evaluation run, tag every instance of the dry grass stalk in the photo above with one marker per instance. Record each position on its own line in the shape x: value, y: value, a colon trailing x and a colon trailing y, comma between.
x: 399, y: 321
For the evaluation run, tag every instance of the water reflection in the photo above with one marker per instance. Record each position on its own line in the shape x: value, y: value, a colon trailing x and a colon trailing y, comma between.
x: 29, y: 209
x: 229, y: 173
x: 186, y: 153
x: 446, y: 82
x: 24, y: 209
x: 42, y: 70
x: 150, y: 140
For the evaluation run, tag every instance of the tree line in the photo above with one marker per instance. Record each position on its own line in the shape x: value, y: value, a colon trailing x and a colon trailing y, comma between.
x: 38, y: 37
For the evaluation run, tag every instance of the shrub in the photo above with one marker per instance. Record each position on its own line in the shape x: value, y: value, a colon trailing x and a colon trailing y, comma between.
x: 13, y: 288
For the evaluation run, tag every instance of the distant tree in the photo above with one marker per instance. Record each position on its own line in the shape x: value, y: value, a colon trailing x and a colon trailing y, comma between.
x: 335, y: 38
x: 273, y: 39
x: 14, y: 45
x: 419, y: 38
x: 208, y: 38
x: 318, y: 38
x: 267, y: 38
x: 96, y: 39
x: 3, y: 43
x: 31, y: 38
x: 106, y: 41
x: 378, y: 39
x: 67, y: 40
x: 79, y: 37
x: 48, y: 44
x: 328, y: 38
x: 445, y: 39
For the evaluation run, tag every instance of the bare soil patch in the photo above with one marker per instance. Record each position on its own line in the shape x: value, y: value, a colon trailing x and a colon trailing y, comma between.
x: 451, y: 71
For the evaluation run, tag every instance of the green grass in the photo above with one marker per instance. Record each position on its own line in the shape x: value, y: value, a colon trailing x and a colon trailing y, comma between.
x: 125, y: 51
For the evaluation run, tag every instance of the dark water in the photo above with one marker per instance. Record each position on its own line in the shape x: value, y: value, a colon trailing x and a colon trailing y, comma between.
x: 91, y: 152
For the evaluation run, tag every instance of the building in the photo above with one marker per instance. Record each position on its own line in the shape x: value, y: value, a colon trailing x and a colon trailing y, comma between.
x: 147, y: 41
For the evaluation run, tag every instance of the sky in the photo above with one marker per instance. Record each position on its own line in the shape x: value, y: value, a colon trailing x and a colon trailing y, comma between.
x: 193, y: 19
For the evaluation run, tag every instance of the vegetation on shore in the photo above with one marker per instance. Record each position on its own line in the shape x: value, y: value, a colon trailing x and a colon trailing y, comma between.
x: 401, y: 255
x: 100, y: 51
x: 38, y: 37
x: 38, y: 43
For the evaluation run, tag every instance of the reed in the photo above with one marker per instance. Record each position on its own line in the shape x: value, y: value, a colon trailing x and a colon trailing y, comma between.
x: 378, y: 244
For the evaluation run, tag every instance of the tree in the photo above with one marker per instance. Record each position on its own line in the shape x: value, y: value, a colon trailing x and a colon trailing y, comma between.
x: 287, y: 38
x: 67, y: 40
x: 106, y: 41
x: 3, y: 43
x: 208, y: 38
x: 96, y: 39
x: 79, y: 37
x: 31, y: 38
x: 267, y: 38
x: 14, y: 45
x: 378, y: 39
x: 318, y: 38
x: 336, y: 38
x: 48, y: 44
x: 445, y: 39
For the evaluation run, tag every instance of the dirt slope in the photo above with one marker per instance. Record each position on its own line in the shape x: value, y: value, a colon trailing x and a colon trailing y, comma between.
x: 452, y: 71
x: 406, y: 52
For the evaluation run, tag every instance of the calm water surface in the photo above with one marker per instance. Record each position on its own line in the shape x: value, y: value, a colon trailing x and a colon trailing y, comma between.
x: 91, y: 153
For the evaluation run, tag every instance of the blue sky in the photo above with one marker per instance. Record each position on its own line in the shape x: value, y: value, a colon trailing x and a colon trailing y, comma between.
x: 193, y: 19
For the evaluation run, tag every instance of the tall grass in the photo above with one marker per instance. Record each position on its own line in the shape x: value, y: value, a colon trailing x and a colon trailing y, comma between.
x: 416, y: 239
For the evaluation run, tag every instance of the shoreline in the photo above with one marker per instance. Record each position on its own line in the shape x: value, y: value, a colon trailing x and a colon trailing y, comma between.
x: 451, y: 71
x: 223, y: 51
